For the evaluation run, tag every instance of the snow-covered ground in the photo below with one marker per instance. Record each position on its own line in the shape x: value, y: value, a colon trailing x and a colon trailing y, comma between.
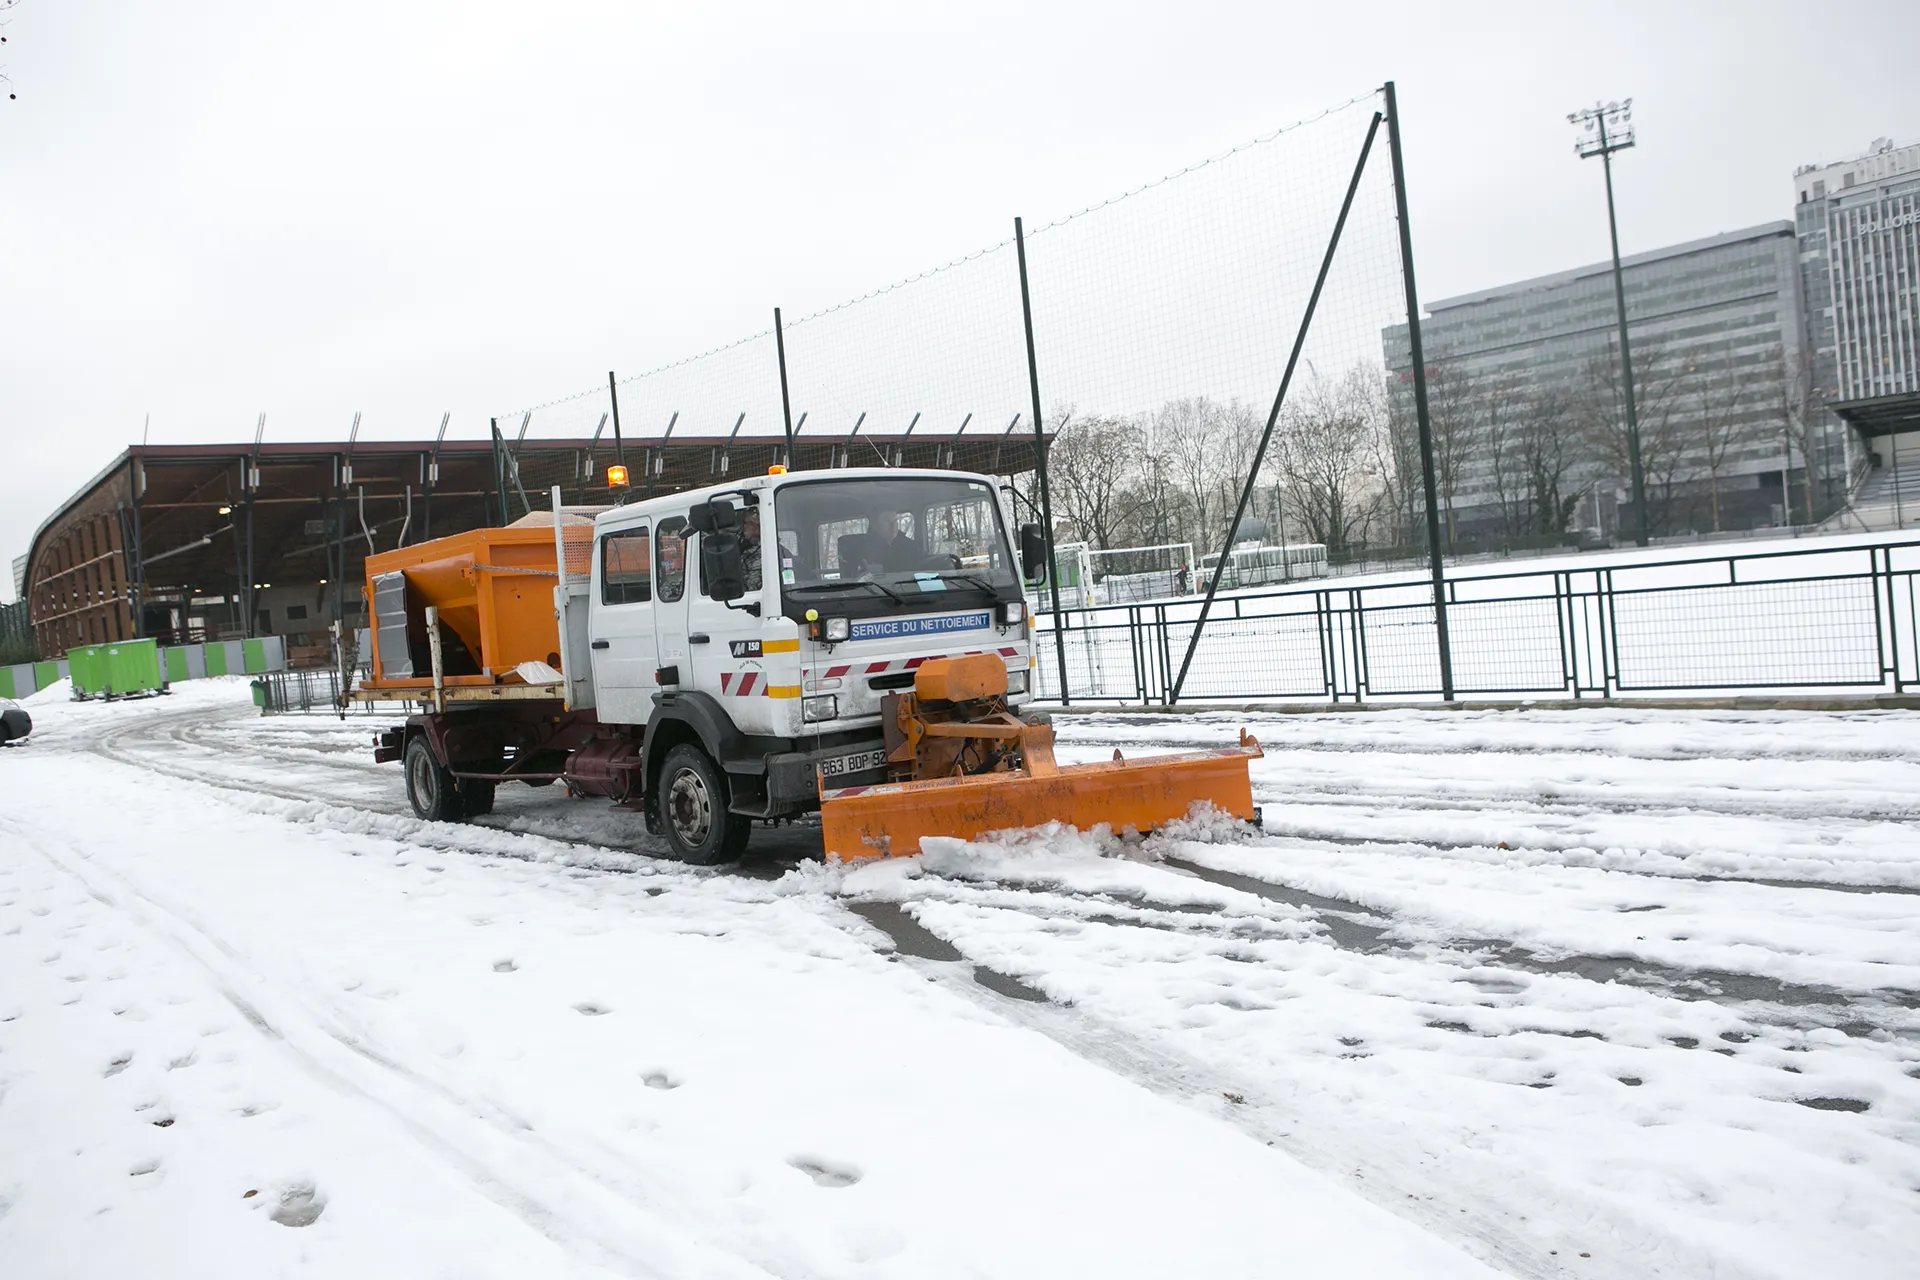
x: 1586, y: 993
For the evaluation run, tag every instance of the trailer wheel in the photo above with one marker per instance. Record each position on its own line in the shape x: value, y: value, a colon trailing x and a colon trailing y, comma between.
x: 430, y: 787
x: 693, y: 806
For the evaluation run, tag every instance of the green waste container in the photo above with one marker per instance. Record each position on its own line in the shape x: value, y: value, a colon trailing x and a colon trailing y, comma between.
x: 133, y: 667
x: 87, y: 667
x: 260, y: 694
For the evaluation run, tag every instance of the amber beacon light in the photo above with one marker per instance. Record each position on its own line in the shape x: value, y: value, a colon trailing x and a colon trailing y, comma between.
x: 616, y: 476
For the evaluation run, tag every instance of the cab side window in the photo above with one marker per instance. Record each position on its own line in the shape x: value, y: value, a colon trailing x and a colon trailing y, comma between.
x: 626, y: 567
x: 670, y: 550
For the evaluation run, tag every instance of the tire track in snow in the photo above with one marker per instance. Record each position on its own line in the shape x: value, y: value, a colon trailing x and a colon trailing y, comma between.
x: 485, y: 1145
x: 1402, y: 1179
x: 497, y: 838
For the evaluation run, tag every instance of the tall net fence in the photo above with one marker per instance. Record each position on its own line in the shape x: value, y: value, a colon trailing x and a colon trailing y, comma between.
x: 1139, y: 345
x: 1162, y: 321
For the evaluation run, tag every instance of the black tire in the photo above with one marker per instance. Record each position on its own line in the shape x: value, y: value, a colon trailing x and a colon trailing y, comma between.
x: 430, y: 788
x: 693, y: 798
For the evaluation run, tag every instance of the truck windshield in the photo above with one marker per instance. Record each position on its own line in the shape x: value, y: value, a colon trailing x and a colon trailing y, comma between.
x: 925, y: 542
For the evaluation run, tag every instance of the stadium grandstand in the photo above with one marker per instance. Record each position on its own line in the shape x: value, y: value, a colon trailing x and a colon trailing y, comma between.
x: 189, y: 543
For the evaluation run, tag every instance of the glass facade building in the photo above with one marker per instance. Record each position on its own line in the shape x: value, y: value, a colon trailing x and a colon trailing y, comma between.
x: 1859, y: 227
x: 1529, y: 416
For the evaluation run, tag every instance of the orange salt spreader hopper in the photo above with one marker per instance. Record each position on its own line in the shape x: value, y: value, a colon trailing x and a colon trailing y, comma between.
x: 965, y: 765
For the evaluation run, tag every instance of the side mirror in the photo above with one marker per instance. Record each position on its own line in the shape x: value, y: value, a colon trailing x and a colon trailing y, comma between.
x: 1033, y: 551
x: 723, y: 565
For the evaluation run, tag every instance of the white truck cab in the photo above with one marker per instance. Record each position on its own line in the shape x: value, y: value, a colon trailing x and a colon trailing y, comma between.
x: 765, y: 621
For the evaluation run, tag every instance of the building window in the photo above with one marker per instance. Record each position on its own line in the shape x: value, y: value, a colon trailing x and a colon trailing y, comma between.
x: 296, y: 613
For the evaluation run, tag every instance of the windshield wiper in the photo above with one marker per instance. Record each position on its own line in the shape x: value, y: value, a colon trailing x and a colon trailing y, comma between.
x: 973, y: 579
x: 882, y: 588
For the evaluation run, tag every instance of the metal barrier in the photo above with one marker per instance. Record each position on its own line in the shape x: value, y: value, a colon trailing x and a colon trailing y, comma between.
x: 1808, y: 620
x: 317, y: 689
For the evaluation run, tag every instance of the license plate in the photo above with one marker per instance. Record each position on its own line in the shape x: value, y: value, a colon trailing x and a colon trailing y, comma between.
x: 858, y: 762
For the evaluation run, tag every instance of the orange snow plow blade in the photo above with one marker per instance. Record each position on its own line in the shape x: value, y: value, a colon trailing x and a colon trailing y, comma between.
x: 964, y: 764
x: 892, y: 818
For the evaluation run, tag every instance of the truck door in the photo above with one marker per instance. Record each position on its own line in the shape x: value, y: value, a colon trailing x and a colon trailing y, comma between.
x: 671, y: 551
x: 622, y: 625
x: 724, y: 643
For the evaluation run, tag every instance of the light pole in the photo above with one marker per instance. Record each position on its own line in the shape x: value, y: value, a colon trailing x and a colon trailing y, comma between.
x: 1603, y: 131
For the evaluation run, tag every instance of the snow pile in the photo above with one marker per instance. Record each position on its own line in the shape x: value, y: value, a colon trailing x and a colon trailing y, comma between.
x: 60, y: 690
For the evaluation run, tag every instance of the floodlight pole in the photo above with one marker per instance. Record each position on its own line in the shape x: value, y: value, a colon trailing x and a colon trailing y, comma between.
x: 1604, y: 144
x: 1040, y: 463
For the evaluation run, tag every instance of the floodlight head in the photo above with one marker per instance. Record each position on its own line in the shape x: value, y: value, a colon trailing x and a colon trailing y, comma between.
x: 1606, y: 127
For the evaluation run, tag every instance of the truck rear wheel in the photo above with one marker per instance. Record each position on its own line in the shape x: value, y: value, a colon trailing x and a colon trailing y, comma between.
x: 430, y: 787
x: 693, y: 809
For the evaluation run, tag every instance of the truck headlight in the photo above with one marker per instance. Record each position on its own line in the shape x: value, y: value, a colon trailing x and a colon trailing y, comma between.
x: 1016, y: 682
x: 1013, y: 612
x: 827, y: 707
x: 835, y: 630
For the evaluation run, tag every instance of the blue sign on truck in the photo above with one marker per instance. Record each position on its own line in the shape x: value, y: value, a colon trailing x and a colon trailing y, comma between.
x: 938, y: 624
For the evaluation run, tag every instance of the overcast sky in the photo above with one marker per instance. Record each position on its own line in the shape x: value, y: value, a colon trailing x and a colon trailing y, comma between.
x: 212, y: 209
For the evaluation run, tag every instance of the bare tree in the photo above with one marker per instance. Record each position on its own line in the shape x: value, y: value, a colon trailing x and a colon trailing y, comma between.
x: 1397, y: 461
x: 1507, y: 431
x: 1094, y: 469
x: 1718, y: 425
x: 1549, y: 447
x: 1456, y: 405
x: 1330, y: 455
x: 1188, y: 433
x: 1800, y: 411
x: 1658, y: 395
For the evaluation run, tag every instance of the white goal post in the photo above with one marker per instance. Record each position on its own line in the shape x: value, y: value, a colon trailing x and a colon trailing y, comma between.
x: 1130, y: 575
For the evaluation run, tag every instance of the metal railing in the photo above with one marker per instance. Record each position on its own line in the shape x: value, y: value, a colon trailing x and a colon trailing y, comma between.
x: 313, y: 689
x: 1808, y: 620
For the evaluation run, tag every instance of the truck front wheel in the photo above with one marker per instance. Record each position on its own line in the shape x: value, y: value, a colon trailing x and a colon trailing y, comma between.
x: 430, y: 787
x: 693, y: 809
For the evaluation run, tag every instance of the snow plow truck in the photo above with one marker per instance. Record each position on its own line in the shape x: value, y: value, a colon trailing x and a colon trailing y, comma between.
x: 855, y: 642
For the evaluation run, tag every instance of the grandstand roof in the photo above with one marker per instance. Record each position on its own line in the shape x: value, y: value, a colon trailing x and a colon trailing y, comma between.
x: 173, y: 519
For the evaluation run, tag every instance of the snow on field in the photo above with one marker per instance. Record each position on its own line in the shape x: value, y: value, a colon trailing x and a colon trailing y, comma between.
x: 1596, y: 993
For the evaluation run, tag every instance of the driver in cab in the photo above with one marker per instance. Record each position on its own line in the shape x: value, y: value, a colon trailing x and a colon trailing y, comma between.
x: 895, y: 551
